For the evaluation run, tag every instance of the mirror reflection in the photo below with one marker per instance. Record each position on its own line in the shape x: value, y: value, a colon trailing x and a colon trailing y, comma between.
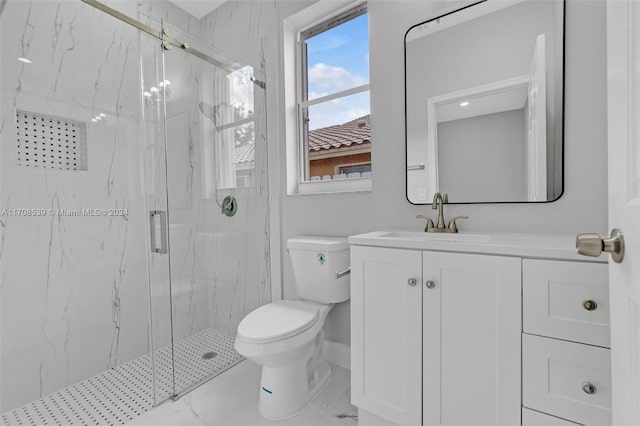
x: 484, y: 108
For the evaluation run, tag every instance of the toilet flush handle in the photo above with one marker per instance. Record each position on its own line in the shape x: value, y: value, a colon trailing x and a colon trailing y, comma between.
x: 343, y: 273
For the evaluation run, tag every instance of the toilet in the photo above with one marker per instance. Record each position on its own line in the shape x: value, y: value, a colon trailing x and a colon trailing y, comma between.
x: 286, y: 336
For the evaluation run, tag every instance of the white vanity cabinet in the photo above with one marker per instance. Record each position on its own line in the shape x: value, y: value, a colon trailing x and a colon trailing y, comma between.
x: 436, y: 336
x: 499, y: 329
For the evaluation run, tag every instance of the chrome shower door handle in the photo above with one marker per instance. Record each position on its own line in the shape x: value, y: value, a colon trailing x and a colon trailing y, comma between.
x: 594, y: 245
x: 154, y: 215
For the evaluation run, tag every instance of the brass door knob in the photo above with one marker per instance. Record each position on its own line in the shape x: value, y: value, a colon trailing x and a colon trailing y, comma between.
x: 593, y: 245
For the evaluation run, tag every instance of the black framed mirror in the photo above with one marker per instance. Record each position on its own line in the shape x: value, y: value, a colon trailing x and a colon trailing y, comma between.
x: 484, y: 103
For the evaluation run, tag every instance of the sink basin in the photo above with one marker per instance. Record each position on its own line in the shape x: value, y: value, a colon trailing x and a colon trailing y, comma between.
x: 435, y: 237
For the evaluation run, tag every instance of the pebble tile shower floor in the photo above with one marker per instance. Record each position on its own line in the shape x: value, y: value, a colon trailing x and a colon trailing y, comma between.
x: 121, y: 394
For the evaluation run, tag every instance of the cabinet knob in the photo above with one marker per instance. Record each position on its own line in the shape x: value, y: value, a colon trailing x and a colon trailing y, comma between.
x: 430, y: 284
x: 412, y: 282
x: 589, y: 305
x: 589, y: 388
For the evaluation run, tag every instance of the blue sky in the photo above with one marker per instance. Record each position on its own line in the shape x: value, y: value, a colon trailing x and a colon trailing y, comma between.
x: 338, y: 59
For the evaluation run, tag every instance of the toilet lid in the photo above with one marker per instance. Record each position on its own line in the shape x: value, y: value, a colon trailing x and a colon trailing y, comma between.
x: 277, y: 321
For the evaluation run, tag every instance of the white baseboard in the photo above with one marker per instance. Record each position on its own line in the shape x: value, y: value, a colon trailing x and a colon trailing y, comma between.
x: 337, y: 353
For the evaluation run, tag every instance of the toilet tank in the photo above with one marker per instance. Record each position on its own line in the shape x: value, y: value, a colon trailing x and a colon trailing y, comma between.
x: 315, y: 261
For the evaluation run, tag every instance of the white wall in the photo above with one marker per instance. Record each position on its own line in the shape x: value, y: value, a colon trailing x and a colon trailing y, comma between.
x: 582, y: 208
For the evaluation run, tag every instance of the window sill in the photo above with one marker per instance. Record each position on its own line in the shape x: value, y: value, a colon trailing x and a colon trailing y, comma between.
x: 334, y: 186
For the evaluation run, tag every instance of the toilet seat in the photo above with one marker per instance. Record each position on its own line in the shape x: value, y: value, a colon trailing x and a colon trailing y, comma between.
x: 277, y: 321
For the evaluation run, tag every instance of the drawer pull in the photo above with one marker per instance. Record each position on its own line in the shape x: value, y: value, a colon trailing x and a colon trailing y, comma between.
x: 589, y: 388
x: 412, y: 282
x: 589, y: 305
x: 430, y: 284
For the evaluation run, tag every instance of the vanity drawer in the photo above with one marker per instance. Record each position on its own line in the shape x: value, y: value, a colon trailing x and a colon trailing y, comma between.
x: 535, y: 418
x: 567, y: 300
x: 557, y: 375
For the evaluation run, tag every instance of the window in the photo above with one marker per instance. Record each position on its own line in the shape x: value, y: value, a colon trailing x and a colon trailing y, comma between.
x: 333, y: 97
x: 353, y: 168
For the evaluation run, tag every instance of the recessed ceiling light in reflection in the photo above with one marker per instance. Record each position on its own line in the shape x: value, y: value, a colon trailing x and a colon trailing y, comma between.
x: 154, y: 90
x: 164, y: 83
x: 464, y: 104
x: 25, y: 60
x: 146, y: 94
x: 103, y: 115
x: 93, y: 120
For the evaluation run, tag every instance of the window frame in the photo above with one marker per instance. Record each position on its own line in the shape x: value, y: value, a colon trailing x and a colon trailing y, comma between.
x: 327, y: 21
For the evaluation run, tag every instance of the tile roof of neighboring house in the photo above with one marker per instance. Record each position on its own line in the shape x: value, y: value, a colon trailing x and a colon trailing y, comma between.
x: 354, y: 132
x: 244, y: 154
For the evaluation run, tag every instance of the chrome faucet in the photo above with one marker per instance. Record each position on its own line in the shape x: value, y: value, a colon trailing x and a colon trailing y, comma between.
x: 438, y: 203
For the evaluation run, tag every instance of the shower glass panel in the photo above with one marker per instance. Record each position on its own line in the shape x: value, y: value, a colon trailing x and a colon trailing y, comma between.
x: 202, y: 141
x: 122, y: 283
x: 73, y: 249
x: 154, y: 163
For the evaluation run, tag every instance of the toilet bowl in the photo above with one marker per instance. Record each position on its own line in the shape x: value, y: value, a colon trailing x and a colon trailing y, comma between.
x: 289, y: 351
x: 286, y: 337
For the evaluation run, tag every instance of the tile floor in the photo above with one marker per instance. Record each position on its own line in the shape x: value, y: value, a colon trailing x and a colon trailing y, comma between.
x: 118, y: 395
x: 232, y: 399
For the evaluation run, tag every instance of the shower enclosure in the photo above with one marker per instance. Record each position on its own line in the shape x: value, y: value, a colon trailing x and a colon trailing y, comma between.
x: 121, y: 278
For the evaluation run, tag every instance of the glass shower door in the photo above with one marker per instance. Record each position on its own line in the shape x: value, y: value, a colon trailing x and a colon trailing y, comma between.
x: 202, y: 109
x: 154, y: 161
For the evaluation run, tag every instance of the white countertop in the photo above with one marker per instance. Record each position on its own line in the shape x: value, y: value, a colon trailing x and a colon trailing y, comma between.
x: 540, y: 246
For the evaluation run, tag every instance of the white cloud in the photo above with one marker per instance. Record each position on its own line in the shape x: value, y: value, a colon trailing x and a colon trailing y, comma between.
x: 332, y: 78
x: 338, y: 111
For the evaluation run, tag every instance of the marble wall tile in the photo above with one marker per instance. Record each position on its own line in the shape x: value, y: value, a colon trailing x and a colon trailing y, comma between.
x: 78, y: 292
x: 72, y: 286
x: 75, y: 292
x: 242, y: 272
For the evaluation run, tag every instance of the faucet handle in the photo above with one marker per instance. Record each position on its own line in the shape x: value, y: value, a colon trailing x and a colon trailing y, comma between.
x: 452, y: 222
x: 429, y: 223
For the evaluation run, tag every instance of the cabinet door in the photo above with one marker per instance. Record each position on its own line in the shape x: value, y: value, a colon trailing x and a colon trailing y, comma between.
x: 471, y: 340
x: 386, y: 333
